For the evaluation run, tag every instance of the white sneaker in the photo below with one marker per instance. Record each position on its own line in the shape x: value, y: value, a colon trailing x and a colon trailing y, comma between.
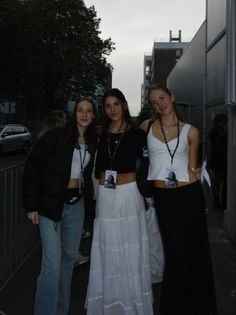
x: 81, y: 260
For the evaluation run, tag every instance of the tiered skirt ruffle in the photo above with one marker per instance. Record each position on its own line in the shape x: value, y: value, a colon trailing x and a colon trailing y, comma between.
x: 119, y: 279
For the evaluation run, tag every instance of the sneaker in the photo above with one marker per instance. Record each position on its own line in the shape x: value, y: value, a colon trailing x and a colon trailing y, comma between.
x: 81, y: 260
x: 86, y: 234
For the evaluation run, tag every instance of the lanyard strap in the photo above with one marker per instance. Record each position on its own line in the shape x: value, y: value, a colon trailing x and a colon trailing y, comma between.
x: 82, y: 160
x: 167, y: 145
x: 112, y: 156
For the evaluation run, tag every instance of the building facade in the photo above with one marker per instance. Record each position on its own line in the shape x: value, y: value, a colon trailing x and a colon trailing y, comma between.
x: 207, y: 87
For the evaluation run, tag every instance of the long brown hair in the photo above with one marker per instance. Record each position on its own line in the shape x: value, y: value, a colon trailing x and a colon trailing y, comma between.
x: 90, y: 134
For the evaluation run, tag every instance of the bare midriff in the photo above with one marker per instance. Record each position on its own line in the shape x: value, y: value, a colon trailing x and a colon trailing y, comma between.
x: 73, y: 183
x: 192, y: 178
x: 121, y: 178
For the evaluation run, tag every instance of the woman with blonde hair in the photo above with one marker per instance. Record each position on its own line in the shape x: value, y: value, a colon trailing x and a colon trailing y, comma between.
x: 187, y: 286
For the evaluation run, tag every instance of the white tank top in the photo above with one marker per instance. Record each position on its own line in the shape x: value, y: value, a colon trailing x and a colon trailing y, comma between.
x: 77, y: 159
x: 160, y: 159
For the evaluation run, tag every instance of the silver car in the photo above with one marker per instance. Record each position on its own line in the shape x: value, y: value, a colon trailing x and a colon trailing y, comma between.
x: 14, y: 137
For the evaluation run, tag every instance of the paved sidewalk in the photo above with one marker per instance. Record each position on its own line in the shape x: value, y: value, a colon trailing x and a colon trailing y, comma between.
x: 20, y: 300
x: 224, y: 264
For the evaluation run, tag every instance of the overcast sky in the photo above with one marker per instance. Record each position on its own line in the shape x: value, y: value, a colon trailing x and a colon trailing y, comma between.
x: 134, y: 25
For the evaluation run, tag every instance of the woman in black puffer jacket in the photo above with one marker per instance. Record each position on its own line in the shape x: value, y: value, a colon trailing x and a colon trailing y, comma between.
x: 56, y: 185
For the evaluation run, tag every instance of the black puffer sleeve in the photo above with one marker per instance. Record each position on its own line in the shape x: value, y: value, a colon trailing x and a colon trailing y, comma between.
x: 34, y: 169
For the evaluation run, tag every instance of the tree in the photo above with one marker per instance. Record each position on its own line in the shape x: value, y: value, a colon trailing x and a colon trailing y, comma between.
x: 9, y: 58
x: 52, y: 51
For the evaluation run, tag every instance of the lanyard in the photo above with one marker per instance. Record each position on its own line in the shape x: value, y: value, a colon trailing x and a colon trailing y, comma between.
x: 167, y: 145
x: 117, y: 143
x: 82, y: 160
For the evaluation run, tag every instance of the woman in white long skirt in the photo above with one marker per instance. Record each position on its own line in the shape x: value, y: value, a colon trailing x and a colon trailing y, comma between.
x: 119, y: 279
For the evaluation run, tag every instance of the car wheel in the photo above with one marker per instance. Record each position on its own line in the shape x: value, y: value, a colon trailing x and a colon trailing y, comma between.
x: 26, y: 147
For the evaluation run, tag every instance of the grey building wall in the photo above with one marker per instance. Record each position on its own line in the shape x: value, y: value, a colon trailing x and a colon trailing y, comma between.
x: 216, y: 19
x: 215, y: 83
x: 204, y: 81
x: 220, y: 88
x: 231, y: 52
x: 186, y: 81
x: 230, y: 97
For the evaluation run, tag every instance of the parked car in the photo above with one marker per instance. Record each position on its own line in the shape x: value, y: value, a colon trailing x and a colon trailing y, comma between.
x: 15, y: 137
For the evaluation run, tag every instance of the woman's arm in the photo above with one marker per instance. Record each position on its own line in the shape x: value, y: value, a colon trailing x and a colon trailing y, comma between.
x: 194, y: 140
x: 34, y: 171
x: 144, y: 125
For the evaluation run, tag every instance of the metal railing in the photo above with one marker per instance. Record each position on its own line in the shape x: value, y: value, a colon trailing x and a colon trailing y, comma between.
x: 18, y: 237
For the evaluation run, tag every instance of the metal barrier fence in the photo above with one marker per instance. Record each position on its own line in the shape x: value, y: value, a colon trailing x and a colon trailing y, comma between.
x: 18, y: 237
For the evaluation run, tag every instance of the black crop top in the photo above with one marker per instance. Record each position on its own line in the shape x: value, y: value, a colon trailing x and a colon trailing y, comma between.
x: 128, y: 152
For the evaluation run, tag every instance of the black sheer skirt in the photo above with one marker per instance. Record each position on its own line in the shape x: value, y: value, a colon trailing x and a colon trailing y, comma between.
x: 188, y: 286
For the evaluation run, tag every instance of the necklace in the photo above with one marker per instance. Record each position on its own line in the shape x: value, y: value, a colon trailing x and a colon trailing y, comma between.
x: 117, y: 143
x: 117, y: 140
x: 116, y: 130
x: 168, y: 126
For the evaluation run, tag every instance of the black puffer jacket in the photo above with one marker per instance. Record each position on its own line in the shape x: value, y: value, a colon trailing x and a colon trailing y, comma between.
x: 47, y: 173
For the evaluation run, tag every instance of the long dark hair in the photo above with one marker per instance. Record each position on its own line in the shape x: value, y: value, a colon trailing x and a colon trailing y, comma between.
x: 158, y: 86
x: 120, y: 96
x: 90, y: 134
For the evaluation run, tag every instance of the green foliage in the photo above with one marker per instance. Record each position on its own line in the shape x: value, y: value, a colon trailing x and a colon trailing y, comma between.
x: 51, y: 51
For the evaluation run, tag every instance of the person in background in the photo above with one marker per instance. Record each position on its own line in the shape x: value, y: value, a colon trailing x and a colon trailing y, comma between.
x: 56, y: 183
x: 218, y: 159
x: 60, y: 113
x: 119, y: 277
x: 187, y: 286
x: 50, y: 122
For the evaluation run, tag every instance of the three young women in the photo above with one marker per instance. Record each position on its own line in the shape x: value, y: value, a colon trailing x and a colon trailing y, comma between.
x: 56, y: 186
x: 119, y: 279
x: 187, y: 286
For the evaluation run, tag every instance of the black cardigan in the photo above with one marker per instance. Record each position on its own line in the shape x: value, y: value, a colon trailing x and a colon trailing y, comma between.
x: 47, y: 173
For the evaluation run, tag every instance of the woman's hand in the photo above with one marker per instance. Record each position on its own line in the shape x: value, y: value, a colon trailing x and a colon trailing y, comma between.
x: 197, y: 172
x: 33, y: 217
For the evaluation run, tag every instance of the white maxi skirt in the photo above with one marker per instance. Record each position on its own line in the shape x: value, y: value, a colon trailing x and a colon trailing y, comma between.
x: 119, y: 278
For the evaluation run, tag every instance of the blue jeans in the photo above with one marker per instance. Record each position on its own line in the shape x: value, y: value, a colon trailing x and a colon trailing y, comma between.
x: 60, y: 241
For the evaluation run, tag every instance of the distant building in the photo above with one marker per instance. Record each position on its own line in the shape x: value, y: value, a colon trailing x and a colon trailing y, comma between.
x: 164, y: 58
x: 146, y: 78
x: 158, y: 65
